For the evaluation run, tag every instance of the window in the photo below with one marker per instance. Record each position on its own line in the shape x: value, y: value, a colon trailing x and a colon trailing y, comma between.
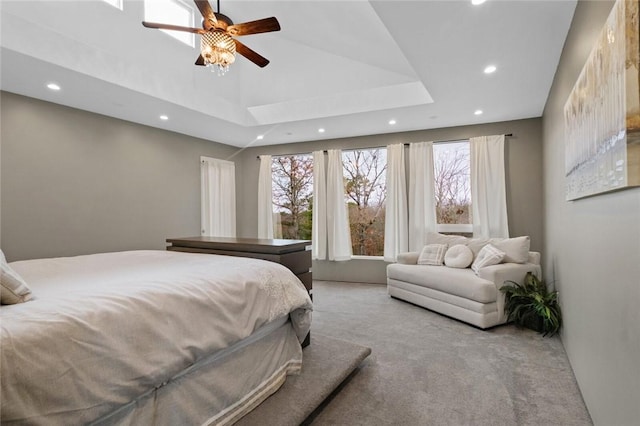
x: 114, y: 3
x: 292, y: 189
x: 365, y: 191
x: 174, y: 12
x: 452, y: 167
x: 364, y: 172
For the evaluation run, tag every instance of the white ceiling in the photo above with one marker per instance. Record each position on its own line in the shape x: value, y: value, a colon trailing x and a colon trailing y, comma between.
x: 346, y: 66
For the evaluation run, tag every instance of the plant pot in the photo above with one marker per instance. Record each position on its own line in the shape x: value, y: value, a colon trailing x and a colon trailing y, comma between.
x: 534, y: 322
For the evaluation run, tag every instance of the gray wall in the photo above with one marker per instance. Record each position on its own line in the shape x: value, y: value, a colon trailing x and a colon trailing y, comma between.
x: 593, y: 249
x: 524, y: 184
x: 74, y: 182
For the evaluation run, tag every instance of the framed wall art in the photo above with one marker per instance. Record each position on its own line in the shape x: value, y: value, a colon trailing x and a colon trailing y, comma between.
x: 602, y: 113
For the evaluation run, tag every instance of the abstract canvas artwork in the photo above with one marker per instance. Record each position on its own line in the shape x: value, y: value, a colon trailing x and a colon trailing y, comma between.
x: 602, y: 113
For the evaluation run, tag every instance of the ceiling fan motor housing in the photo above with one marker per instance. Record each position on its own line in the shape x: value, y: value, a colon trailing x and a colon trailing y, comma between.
x: 223, y: 22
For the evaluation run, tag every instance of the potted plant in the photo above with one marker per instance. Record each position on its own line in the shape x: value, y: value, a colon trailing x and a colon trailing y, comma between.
x: 532, y: 305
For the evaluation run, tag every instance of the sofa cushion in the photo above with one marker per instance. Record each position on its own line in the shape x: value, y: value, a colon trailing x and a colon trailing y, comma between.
x: 489, y: 255
x: 476, y: 244
x: 408, y: 258
x: 458, y: 256
x: 516, y: 249
x: 449, y: 240
x: 432, y: 254
x: 460, y: 282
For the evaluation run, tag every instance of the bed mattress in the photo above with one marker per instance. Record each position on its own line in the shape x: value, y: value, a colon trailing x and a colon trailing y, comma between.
x: 105, y: 330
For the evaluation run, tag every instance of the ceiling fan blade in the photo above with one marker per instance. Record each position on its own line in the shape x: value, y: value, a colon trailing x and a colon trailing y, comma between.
x: 173, y: 27
x: 200, y: 60
x: 207, y: 13
x: 251, y: 55
x: 254, y: 27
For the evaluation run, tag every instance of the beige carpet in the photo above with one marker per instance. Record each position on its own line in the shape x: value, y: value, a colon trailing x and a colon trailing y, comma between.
x: 427, y: 369
x: 327, y: 362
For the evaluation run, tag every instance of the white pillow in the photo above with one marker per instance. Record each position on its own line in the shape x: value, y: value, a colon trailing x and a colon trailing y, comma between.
x: 516, y: 250
x: 13, y: 289
x: 432, y: 254
x: 408, y: 258
x: 449, y: 240
x: 476, y: 244
x: 458, y: 256
x: 2, y: 258
x: 489, y: 255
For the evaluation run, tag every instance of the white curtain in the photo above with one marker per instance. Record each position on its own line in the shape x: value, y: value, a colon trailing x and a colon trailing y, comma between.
x: 338, y: 234
x: 395, y: 226
x: 265, y: 199
x: 218, y: 197
x: 422, y: 198
x: 319, y: 219
x: 488, y: 192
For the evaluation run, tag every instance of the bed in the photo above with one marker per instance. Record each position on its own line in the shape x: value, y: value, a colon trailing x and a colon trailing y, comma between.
x: 149, y: 337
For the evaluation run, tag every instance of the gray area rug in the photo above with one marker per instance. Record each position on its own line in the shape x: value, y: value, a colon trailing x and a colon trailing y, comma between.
x: 327, y: 362
x: 428, y: 369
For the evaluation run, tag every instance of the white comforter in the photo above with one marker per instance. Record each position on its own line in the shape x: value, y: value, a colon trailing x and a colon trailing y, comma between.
x: 104, y: 329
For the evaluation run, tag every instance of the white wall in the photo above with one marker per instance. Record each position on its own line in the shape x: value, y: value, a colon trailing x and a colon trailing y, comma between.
x: 592, y: 249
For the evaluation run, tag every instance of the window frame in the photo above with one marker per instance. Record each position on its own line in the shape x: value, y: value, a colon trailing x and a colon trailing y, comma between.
x: 118, y: 4
x: 456, y: 228
x: 181, y: 36
x: 278, y: 230
x: 382, y: 204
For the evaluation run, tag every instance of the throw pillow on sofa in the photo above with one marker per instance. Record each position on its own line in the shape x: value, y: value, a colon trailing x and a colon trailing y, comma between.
x: 432, y: 254
x: 449, y: 240
x: 476, y: 244
x: 516, y: 250
x: 489, y: 255
x: 458, y: 256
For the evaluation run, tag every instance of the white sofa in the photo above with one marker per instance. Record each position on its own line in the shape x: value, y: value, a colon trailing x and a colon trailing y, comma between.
x: 458, y: 293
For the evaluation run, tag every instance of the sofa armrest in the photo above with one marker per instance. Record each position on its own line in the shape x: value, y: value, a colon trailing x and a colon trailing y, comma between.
x: 409, y: 258
x: 502, y: 272
x: 534, y: 257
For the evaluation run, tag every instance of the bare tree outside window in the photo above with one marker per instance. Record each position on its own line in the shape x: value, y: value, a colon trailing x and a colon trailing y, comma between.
x: 452, y: 182
x: 365, y: 189
x: 292, y: 186
x: 365, y: 193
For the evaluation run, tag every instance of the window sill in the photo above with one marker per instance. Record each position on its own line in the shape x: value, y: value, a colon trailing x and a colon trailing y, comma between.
x: 367, y: 257
x: 454, y: 228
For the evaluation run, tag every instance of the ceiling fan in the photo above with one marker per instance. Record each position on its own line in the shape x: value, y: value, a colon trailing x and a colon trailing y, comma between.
x: 217, y: 46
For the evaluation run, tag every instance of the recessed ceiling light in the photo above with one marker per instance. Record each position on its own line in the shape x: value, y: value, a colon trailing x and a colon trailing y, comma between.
x: 478, y: 112
x: 321, y: 130
x: 392, y: 122
x: 490, y: 69
x: 260, y: 137
x: 164, y: 117
x: 53, y: 86
x: 477, y: 2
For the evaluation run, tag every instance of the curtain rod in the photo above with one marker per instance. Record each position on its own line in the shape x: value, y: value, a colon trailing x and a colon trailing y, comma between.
x: 372, y: 147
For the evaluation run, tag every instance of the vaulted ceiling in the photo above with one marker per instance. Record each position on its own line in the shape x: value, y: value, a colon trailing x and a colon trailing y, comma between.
x: 348, y: 67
